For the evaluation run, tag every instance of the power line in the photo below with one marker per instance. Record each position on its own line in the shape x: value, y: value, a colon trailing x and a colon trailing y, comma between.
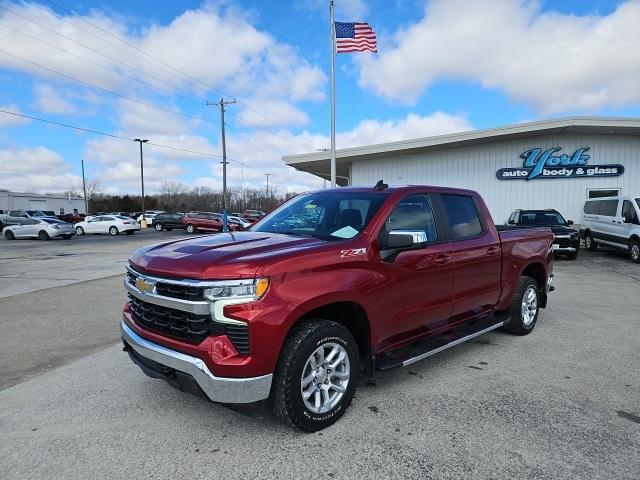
x: 88, y: 130
x: 113, y: 59
x: 131, y: 77
x: 89, y: 84
x: 162, y: 62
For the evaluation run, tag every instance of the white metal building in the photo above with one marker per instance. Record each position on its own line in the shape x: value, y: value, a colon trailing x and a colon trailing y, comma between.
x: 545, y: 164
x: 33, y: 201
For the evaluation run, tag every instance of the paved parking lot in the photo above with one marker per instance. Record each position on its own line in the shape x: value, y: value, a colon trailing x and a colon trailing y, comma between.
x: 563, y: 402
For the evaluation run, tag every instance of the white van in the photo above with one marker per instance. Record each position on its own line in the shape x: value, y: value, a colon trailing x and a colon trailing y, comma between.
x: 614, y: 222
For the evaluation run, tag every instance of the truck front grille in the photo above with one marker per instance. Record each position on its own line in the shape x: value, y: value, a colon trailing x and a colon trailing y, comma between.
x: 174, y: 323
x: 186, y: 326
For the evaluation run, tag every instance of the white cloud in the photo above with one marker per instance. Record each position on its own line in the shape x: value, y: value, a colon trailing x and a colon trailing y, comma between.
x: 554, y: 62
x: 7, y: 120
x: 272, y: 113
x: 50, y: 100
x: 216, y: 44
x: 36, y: 169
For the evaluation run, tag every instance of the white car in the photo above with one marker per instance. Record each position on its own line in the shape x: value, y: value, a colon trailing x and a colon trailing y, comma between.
x: 111, y: 224
x: 239, y: 221
x: 44, y: 229
x: 149, y: 215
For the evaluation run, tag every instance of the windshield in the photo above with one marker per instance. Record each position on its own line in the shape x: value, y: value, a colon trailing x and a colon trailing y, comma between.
x: 541, y: 218
x: 326, y: 215
x: 638, y: 202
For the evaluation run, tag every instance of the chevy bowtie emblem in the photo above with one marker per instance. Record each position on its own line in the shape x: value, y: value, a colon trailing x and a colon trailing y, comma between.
x: 145, y: 286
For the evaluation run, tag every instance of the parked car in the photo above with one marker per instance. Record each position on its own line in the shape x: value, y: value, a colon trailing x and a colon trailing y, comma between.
x: 167, y: 221
x: 566, y: 240
x: 72, y: 217
x: 204, y: 221
x: 375, y: 279
x: 614, y: 222
x: 17, y: 217
x: 240, y: 222
x: 43, y: 229
x: 253, y: 215
x: 149, y: 215
x: 111, y: 224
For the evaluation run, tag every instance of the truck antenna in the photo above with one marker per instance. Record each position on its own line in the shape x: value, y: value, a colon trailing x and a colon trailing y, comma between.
x: 380, y: 186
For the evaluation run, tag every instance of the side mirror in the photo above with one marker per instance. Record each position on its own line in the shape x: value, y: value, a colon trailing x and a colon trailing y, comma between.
x: 569, y: 222
x: 512, y: 222
x: 398, y: 239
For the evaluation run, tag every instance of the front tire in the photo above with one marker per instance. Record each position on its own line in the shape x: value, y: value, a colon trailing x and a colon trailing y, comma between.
x: 158, y: 227
x: 634, y: 251
x: 316, y: 376
x: 42, y: 235
x: 79, y: 231
x: 525, y: 307
x: 191, y: 229
x: 9, y: 235
x: 590, y: 243
x: 113, y: 231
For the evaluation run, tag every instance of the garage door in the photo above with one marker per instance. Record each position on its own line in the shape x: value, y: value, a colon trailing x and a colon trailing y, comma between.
x: 37, y: 204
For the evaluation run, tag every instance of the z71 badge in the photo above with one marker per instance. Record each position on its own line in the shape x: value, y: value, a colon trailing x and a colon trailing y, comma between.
x: 353, y: 252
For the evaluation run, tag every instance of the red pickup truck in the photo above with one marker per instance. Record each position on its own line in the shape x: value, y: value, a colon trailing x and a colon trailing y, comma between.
x: 330, y: 284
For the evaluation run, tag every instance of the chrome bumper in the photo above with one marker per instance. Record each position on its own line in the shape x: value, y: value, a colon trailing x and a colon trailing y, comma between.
x: 218, y: 389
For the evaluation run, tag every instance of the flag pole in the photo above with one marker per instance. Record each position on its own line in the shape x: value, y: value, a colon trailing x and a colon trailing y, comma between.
x: 332, y: 43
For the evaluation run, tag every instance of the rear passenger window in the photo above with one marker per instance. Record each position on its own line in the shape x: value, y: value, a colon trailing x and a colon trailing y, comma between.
x: 608, y: 208
x: 462, y: 216
x: 591, y: 208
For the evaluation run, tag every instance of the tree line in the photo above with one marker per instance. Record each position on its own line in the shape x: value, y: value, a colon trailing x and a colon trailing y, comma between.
x: 178, y: 197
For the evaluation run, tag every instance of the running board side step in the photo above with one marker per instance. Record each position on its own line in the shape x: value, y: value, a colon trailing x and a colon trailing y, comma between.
x: 427, y: 347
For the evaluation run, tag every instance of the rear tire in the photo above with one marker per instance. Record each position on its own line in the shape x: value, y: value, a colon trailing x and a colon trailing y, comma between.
x: 191, y: 229
x: 158, y: 227
x: 316, y: 376
x: 525, y: 307
x: 9, y: 235
x: 634, y: 251
x: 113, y: 231
x: 79, y: 231
x: 590, y: 243
x: 42, y: 235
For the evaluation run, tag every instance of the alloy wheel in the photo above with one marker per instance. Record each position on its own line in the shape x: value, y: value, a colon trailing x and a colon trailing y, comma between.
x: 325, y: 377
x: 529, y: 306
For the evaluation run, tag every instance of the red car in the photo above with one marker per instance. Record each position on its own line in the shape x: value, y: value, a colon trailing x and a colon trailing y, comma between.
x: 333, y: 283
x: 253, y: 215
x: 205, y: 222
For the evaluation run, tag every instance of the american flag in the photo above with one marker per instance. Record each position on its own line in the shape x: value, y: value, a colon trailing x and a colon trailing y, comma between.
x: 355, y: 37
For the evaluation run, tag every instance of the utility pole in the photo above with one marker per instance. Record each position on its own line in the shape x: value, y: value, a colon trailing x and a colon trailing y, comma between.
x: 268, y: 175
x: 141, y: 141
x: 84, y: 189
x: 222, y: 104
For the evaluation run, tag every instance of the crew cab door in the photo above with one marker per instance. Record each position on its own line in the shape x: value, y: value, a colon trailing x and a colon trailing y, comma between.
x: 416, y: 298
x: 476, y: 254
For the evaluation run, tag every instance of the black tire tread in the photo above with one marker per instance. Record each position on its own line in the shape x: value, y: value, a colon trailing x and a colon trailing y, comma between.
x: 515, y: 325
x: 285, y: 386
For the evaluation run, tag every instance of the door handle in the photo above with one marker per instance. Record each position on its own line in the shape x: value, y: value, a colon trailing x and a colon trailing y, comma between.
x: 442, y: 259
x: 492, y: 251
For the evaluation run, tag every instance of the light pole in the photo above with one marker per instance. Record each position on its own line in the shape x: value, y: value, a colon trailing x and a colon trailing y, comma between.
x: 141, y: 141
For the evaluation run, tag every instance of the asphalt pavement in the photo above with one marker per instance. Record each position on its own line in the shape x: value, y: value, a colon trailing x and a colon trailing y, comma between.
x: 561, y: 403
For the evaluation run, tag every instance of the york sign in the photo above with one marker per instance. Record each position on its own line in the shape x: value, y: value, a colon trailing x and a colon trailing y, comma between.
x: 551, y: 164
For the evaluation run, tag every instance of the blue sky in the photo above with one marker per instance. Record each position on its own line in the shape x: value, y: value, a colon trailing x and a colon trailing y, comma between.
x: 443, y: 66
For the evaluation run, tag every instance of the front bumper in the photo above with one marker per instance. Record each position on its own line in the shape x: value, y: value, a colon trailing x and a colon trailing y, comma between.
x: 217, y: 389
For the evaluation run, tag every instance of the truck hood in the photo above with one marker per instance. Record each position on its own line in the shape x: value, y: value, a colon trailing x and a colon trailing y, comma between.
x: 219, y: 256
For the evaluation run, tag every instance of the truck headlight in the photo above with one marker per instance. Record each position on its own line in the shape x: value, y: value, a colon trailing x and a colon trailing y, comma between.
x: 249, y: 289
